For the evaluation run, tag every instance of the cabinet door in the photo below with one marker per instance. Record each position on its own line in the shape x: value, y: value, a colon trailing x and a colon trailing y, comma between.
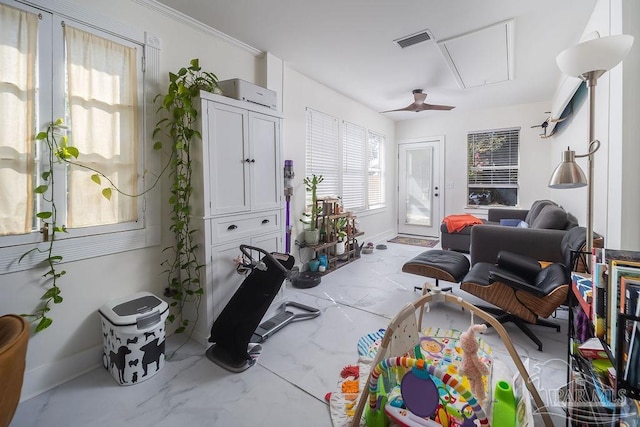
x: 266, y: 171
x: 229, y: 159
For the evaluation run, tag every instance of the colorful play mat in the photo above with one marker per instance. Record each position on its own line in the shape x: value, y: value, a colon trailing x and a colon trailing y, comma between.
x: 424, y: 388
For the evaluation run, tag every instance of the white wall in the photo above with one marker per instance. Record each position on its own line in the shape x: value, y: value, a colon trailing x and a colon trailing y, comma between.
x: 454, y: 125
x: 301, y: 92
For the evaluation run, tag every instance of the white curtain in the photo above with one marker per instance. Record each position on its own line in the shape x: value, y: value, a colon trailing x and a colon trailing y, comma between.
x: 102, y: 93
x: 18, y: 42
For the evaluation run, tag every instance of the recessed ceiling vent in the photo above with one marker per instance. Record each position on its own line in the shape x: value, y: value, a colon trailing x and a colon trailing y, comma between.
x: 419, y: 37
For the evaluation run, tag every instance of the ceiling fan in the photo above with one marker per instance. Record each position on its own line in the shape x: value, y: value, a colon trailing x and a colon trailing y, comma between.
x: 419, y: 104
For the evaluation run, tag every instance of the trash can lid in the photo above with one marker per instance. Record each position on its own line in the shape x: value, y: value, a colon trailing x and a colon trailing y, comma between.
x: 126, y: 310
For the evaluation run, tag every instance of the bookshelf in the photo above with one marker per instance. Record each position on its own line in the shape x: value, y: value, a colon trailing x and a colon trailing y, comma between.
x: 600, y: 390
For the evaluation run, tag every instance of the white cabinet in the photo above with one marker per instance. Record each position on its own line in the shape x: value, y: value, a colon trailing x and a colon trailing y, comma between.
x: 243, y: 159
x: 238, y: 193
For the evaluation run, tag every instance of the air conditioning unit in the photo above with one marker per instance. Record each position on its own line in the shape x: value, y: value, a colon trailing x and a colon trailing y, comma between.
x: 245, y: 91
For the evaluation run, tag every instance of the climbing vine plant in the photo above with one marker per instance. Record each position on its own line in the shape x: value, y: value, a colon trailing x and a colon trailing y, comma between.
x: 57, y: 150
x: 182, y: 265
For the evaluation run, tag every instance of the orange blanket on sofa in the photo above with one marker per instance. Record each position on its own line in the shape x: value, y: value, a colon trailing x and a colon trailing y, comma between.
x: 458, y: 222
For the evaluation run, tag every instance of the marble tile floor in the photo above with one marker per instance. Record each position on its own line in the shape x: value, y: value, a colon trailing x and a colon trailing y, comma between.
x: 298, y: 366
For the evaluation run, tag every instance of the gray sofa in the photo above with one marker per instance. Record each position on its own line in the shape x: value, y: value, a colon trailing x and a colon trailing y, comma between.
x: 547, y: 225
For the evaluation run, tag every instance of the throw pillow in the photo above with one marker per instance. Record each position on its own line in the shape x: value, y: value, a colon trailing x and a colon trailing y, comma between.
x: 551, y: 217
x: 536, y: 208
x: 523, y: 224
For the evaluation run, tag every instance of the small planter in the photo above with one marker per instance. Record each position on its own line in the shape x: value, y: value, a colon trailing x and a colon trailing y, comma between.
x: 312, y: 237
x: 340, y: 247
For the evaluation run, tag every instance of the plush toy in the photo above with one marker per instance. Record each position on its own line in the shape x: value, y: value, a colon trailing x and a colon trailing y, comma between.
x: 472, y: 367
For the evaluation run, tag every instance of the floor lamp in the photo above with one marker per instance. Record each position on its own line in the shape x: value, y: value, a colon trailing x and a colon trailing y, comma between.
x: 589, y: 61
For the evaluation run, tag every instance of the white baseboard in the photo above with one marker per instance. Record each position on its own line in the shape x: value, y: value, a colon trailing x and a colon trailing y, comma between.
x: 46, y: 377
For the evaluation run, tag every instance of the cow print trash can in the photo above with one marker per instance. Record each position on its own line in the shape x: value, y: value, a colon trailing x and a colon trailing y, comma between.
x: 133, y: 331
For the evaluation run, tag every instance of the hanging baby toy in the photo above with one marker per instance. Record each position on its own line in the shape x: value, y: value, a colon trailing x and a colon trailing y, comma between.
x: 472, y: 367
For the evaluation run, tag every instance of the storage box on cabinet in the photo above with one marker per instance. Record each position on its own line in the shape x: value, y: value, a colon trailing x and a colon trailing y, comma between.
x: 234, y: 227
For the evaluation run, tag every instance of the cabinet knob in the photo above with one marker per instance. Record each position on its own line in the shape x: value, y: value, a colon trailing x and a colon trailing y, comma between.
x: 253, y: 160
x: 247, y: 160
x: 265, y: 221
x: 232, y: 227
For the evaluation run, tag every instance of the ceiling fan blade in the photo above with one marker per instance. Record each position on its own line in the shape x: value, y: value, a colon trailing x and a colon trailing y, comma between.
x: 425, y: 107
x: 411, y: 107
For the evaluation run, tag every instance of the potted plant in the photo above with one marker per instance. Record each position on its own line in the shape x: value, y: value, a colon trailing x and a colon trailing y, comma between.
x: 341, y: 234
x: 311, y: 233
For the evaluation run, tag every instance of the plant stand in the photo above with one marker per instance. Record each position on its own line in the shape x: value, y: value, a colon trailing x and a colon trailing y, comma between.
x: 325, y: 222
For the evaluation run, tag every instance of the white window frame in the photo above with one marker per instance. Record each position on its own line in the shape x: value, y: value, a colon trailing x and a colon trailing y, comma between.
x: 328, y: 153
x: 502, y: 173
x: 83, y: 243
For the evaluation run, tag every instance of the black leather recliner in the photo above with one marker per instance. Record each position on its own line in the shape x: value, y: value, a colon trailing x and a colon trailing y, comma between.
x: 524, y: 291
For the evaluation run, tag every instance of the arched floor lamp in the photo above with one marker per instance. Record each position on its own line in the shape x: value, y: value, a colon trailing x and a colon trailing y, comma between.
x: 589, y: 61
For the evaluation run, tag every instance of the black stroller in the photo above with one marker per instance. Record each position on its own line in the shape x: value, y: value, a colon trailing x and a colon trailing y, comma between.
x: 239, y: 322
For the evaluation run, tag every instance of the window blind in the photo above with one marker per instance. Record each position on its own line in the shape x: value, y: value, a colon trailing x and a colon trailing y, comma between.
x: 493, y: 158
x: 322, y: 152
x: 354, y: 183
x: 375, y: 170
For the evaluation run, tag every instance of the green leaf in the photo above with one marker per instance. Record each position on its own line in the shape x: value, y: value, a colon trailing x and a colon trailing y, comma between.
x: 40, y: 189
x: 180, y: 330
x: 96, y: 178
x: 58, y: 122
x: 44, y: 324
x: 171, y: 317
x: 41, y: 136
x: 73, y: 151
x: 57, y: 299
x: 52, y: 292
x: 157, y: 146
x: 44, y: 215
x: 107, y: 193
x: 46, y: 175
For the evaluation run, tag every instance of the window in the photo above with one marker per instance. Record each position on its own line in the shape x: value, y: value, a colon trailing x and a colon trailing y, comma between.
x: 52, y: 66
x: 322, y: 152
x: 354, y: 178
x: 375, y: 171
x: 352, y: 167
x: 493, y: 162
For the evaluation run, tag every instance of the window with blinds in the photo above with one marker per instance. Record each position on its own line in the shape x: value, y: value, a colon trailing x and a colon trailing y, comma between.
x: 359, y: 177
x: 322, y: 152
x: 375, y: 170
x: 493, y: 164
x: 354, y: 149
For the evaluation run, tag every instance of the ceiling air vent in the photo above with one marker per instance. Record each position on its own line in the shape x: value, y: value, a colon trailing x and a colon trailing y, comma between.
x: 412, y: 39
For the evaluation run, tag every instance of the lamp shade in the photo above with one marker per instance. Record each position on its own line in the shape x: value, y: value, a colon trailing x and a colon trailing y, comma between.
x: 568, y: 174
x: 601, y: 54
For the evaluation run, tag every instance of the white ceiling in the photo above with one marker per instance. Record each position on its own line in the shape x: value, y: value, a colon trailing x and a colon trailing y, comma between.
x: 348, y: 44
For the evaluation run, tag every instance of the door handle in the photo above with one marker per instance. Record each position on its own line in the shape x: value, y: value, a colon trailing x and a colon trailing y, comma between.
x: 265, y: 221
x: 232, y: 227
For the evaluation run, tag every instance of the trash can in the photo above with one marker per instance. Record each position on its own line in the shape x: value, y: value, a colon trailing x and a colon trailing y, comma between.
x: 133, y: 329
